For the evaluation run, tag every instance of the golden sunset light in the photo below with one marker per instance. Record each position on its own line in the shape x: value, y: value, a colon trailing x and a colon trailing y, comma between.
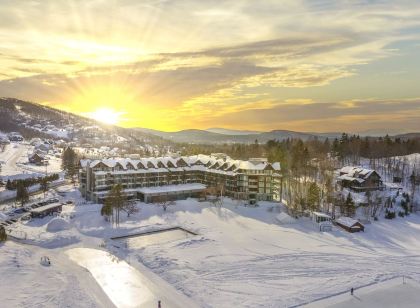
x: 208, y: 153
x: 170, y: 68
x: 105, y: 115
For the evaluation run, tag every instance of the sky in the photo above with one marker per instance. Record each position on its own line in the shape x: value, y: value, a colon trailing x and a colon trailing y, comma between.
x: 315, y: 66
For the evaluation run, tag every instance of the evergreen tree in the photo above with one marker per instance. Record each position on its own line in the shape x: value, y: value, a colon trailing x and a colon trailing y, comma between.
x: 69, y: 163
x: 22, y: 194
x: 3, y: 234
x: 116, y: 200
x: 313, y: 196
x: 349, y: 205
x: 44, y: 185
x: 9, y: 185
x: 106, y: 209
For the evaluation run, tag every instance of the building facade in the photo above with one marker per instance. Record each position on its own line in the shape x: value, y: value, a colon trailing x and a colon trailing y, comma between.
x: 252, y: 180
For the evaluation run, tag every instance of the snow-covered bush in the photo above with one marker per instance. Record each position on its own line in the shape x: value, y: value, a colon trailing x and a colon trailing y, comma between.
x: 58, y: 224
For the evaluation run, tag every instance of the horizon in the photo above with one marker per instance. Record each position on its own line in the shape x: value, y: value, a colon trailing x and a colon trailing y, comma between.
x: 241, y: 131
x: 306, y: 66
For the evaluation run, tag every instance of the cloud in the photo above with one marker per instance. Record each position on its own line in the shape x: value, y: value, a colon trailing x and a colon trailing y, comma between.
x: 203, y: 59
x: 325, y: 117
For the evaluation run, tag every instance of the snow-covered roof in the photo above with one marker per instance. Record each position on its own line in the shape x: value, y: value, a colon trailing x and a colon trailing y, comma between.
x: 46, y: 207
x: 196, y: 162
x: 319, y: 214
x: 351, y: 173
x: 346, y: 221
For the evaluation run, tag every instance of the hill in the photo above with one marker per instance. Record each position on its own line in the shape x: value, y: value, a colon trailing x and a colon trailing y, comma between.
x: 206, y: 136
x: 35, y: 120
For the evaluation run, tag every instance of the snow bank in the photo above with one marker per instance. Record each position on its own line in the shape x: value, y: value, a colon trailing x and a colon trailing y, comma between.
x: 58, y: 224
x: 283, y: 218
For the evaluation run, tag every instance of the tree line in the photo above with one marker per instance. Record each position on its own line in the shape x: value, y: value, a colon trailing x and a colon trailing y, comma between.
x: 13, y: 184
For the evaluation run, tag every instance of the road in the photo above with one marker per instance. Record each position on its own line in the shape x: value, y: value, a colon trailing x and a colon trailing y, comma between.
x: 11, y: 155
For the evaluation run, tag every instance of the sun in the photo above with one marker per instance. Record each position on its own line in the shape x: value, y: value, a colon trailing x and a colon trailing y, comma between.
x: 106, y: 115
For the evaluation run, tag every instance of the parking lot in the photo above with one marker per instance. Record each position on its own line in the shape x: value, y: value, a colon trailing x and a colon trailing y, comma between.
x: 24, y: 213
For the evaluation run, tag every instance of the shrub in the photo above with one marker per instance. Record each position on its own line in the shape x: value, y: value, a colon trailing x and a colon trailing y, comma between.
x: 401, y: 214
x: 389, y: 214
x: 3, y: 234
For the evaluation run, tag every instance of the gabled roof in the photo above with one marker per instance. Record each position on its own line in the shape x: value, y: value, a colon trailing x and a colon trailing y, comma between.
x: 195, y: 162
x: 347, y: 221
x: 351, y: 173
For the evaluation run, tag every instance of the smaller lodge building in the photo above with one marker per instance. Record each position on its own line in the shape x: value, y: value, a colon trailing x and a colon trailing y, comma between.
x: 349, y: 224
x: 36, y: 159
x: 359, y: 179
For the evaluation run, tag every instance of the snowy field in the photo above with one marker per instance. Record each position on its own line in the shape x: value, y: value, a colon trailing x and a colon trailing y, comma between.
x: 241, y: 256
x: 397, y: 292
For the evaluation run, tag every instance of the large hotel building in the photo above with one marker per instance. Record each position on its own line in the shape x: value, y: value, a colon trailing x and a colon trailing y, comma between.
x: 178, y: 178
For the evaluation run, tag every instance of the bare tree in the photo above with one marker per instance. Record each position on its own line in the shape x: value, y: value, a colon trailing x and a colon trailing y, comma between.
x: 164, y: 202
x: 130, y: 207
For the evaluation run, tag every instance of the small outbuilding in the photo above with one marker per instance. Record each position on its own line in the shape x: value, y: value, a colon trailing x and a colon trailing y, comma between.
x: 45, y: 210
x: 349, y: 224
x: 323, y: 220
x: 36, y: 159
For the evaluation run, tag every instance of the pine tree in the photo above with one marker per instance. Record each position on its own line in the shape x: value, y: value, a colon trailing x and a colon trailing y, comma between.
x: 313, y: 196
x: 116, y: 200
x: 349, y: 205
x: 22, y: 194
x: 44, y: 185
x: 69, y: 163
x: 3, y: 234
x: 9, y: 185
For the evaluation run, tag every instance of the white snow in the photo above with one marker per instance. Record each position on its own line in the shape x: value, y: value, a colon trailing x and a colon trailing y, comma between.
x: 284, y: 218
x: 396, y: 292
x: 346, y: 221
x: 241, y: 256
x: 58, y: 224
x: 15, y: 164
x: 125, y: 286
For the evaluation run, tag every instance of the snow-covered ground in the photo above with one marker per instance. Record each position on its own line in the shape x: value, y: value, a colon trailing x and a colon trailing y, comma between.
x: 14, y: 161
x: 15, y: 165
x: 396, y: 292
x: 26, y: 283
x: 241, y: 256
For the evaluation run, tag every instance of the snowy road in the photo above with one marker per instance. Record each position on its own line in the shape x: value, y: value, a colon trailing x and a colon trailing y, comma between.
x: 11, y: 155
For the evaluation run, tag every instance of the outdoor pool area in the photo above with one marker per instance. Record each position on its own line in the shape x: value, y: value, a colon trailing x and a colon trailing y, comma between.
x: 137, y: 241
x: 125, y: 285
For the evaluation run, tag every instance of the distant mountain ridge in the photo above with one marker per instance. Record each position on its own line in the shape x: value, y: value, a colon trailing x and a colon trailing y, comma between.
x: 224, y: 131
x: 22, y: 116
x: 208, y: 137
